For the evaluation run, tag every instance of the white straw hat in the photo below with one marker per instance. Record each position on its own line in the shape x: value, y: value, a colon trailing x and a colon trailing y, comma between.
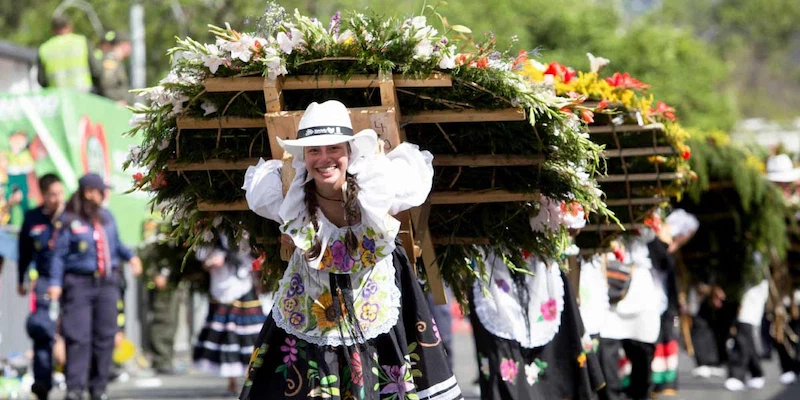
x: 781, y: 169
x: 328, y: 124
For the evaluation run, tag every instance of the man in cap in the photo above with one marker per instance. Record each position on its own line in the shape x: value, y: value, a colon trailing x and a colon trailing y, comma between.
x: 87, y: 254
x: 113, y: 81
x: 65, y: 60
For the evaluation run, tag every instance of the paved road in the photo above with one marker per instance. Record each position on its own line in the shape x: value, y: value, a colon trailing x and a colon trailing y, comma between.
x: 199, y: 386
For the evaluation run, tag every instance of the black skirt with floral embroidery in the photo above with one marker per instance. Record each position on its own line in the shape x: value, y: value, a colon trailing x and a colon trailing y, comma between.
x: 565, y: 368
x: 408, y: 362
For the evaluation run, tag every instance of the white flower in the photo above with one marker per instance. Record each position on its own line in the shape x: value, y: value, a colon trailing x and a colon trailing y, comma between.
x: 367, y: 36
x: 597, y: 63
x: 423, y: 50
x: 177, y: 103
x: 289, y: 42
x: 274, y: 64
x: 419, y: 22
x: 213, y: 62
x: 217, y: 220
x: 549, y: 217
x: 163, y: 145
x: 208, y: 108
x: 532, y: 373
x: 138, y: 119
x: 240, y: 49
x: 208, y: 236
x: 447, y: 62
x: 348, y: 34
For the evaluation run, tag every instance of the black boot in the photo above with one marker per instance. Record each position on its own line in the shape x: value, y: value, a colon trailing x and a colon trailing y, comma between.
x: 42, y: 392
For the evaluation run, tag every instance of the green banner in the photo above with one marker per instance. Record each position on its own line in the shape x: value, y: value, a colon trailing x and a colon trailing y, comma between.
x: 70, y: 134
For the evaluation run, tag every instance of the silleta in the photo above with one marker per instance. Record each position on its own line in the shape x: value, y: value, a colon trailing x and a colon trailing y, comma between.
x: 326, y: 130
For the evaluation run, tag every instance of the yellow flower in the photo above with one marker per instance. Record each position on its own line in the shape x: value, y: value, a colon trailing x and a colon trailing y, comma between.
x: 327, y: 258
x: 368, y: 258
x: 323, y: 309
x: 582, y: 360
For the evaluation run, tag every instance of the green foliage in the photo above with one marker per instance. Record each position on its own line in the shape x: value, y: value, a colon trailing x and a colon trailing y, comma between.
x: 732, y: 195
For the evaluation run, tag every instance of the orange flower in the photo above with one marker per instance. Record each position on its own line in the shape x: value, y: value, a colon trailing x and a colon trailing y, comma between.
x: 582, y: 360
x: 483, y: 63
x: 325, y: 313
x: 664, y: 110
x: 625, y: 81
x: 587, y: 116
x: 522, y: 58
x: 461, y: 59
x: 601, y: 105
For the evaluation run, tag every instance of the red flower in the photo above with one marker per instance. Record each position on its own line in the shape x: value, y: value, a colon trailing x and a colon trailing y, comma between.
x: 601, y: 105
x: 558, y: 70
x: 483, y: 63
x: 138, y: 177
x: 687, y: 153
x: 625, y: 81
x: 665, y: 110
x: 587, y: 116
x: 522, y: 58
x: 619, y: 252
x: 566, y: 110
x: 526, y: 254
x: 160, y: 181
x: 256, y: 265
x: 654, y: 222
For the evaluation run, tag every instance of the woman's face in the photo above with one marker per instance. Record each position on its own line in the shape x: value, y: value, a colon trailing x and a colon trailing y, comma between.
x: 327, y: 165
x: 95, y: 196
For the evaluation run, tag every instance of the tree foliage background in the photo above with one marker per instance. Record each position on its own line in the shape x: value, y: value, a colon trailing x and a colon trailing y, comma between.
x: 714, y: 60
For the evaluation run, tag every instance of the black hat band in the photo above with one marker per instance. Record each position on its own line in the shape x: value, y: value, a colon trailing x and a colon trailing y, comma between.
x: 324, y: 130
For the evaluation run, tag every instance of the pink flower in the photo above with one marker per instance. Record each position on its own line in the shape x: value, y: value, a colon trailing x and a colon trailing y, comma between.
x: 397, y: 381
x: 290, y: 350
x: 508, y: 370
x: 356, y: 375
x: 549, y: 310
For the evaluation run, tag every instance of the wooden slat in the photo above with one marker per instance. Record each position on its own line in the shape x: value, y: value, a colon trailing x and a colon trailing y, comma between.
x: 481, y: 196
x: 449, y: 116
x: 636, y: 202
x: 486, y: 160
x: 239, y: 205
x: 255, y: 83
x: 436, y: 79
x: 638, y: 177
x: 625, y: 128
x: 273, y: 94
x: 215, y: 123
x: 234, y: 84
x: 212, y: 165
x: 644, y: 151
x: 448, y: 240
x: 281, y: 124
x: 610, y: 227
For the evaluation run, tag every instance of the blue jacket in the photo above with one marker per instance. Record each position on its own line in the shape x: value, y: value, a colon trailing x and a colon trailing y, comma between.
x: 75, y: 249
x: 34, y: 243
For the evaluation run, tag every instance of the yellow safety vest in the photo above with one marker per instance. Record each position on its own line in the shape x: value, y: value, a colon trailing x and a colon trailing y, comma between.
x: 65, y: 59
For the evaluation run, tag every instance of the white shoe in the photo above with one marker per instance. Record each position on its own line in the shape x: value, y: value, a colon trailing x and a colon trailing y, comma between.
x: 756, y: 383
x: 788, y: 378
x: 702, y: 371
x: 718, y: 372
x: 734, y: 385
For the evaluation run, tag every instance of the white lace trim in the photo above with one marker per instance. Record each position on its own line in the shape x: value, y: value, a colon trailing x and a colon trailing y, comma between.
x: 500, y: 313
x: 336, y: 341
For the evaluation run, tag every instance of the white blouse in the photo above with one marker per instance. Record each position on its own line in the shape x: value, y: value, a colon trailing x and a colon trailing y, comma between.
x: 498, y: 305
x: 303, y: 304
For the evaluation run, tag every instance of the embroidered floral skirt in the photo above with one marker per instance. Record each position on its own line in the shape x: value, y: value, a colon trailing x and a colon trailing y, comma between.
x: 229, y: 336
x: 408, y: 362
x: 565, y: 368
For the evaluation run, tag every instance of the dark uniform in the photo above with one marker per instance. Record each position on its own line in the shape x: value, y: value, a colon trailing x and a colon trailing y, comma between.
x: 90, y: 295
x: 113, y: 81
x: 35, y: 244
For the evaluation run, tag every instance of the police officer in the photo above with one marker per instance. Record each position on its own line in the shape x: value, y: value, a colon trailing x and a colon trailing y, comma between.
x: 36, y: 244
x: 65, y: 60
x: 87, y: 253
x: 110, y: 57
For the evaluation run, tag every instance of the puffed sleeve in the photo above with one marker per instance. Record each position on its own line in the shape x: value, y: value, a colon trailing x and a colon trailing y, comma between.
x: 263, y: 189
x: 412, y: 176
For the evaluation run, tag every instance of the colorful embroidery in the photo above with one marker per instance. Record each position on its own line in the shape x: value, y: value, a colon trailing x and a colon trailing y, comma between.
x: 508, y: 370
x: 396, y: 381
x: 484, y: 361
x: 325, y: 313
x: 256, y: 361
x: 534, y: 370
x: 549, y: 309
